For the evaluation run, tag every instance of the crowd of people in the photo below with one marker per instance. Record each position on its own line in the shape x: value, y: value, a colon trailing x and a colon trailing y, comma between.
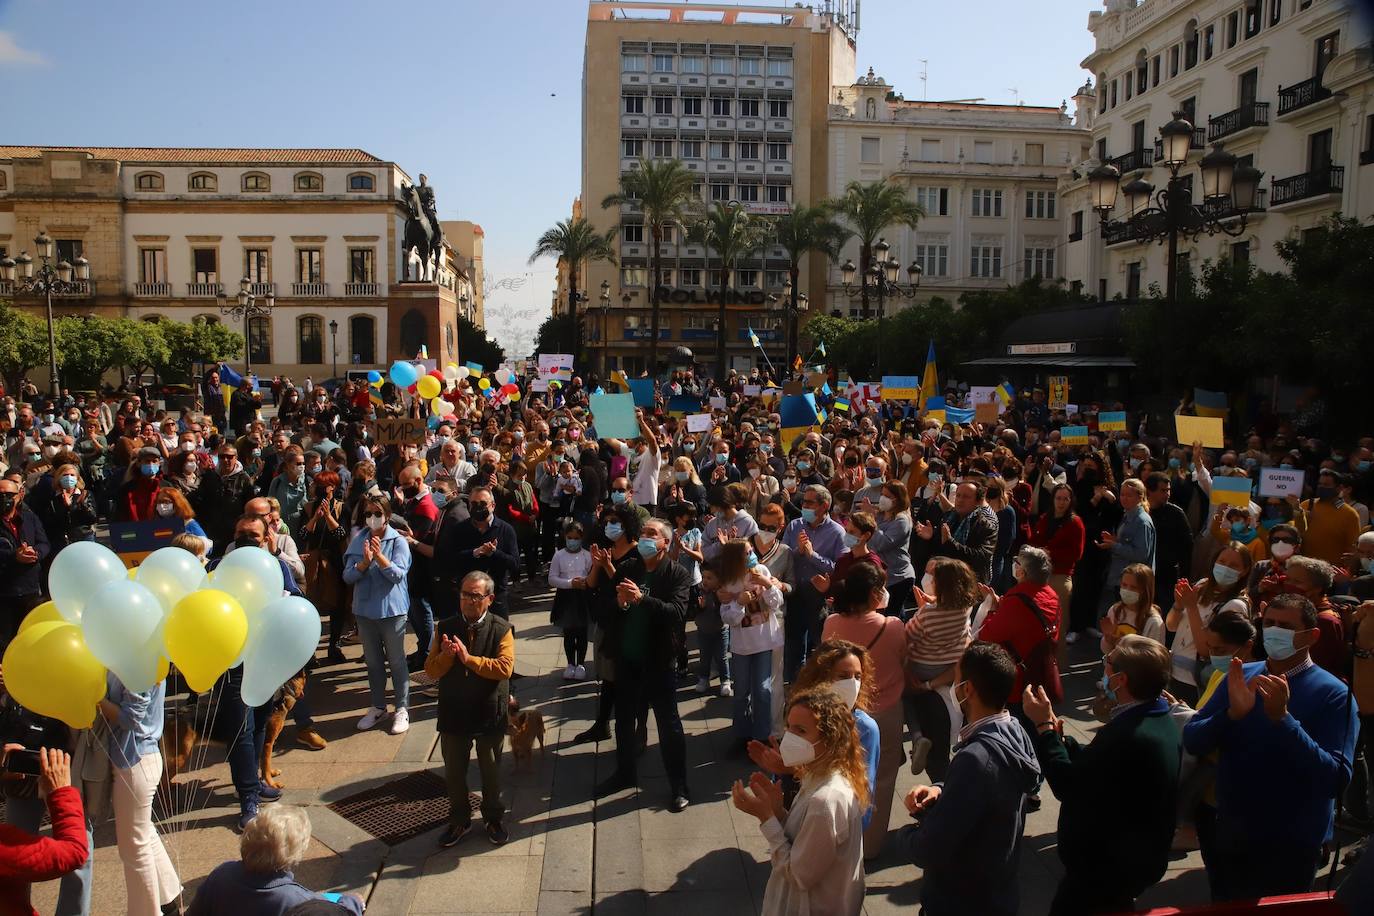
x: 878, y: 589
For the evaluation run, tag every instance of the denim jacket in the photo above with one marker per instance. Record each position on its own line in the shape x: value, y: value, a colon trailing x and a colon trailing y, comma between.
x: 135, y: 735
x: 379, y: 592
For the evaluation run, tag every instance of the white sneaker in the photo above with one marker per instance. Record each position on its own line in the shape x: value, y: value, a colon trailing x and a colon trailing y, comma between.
x: 727, y: 689
x: 400, y: 723
x: 580, y: 672
x: 1071, y: 638
x: 370, y: 720
x: 570, y: 672
x: 703, y: 685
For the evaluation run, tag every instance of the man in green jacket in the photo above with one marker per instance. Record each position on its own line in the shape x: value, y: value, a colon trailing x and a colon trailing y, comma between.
x: 1116, y: 795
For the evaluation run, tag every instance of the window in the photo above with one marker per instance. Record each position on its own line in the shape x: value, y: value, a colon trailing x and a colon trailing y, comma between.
x: 1101, y: 149
x: 777, y: 193
x: 663, y: 149
x: 689, y: 276
x: 202, y: 181
x: 774, y: 279
x: 256, y: 181
x: 260, y: 339
x: 1129, y: 83
x: 1101, y: 93
x: 1133, y: 280
x: 689, y: 149
x: 152, y: 265
x: 256, y: 265
x: 360, y: 262
x: 1076, y: 288
x: 632, y: 276
x: 987, y: 202
x: 1240, y: 253
x: 310, y: 339
x: 934, y: 260
x: 663, y: 104
x: 1319, y: 151
x: 748, y: 108
x: 778, y: 109
x: 205, y: 265
x: 982, y: 151
x: 1173, y: 61
x: 1142, y: 73
x: 1275, y: 11
x: 720, y: 149
x: 748, y: 150
x: 930, y: 151
x: 1102, y: 289
x: 746, y: 278
x: 1190, y: 46
x: 69, y: 250
x: 749, y: 193
x: 1233, y: 29
x: 362, y: 339
x: 987, y: 261
x: 1039, y: 262
x: 1113, y: 105
x: 1040, y: 205
x: 1035, y: 154
x: 665, y: 277
x: 148, y: 181
x: 632, y: 149
x: 693, y: 65
x: 632, y: 232
x: 750, y: 66
x: 1076, y: 230
x: 632, y: 63
x: 1209, y: 36
x: 1327, y: 47
x: 780, y: 67
x: 722, y: 66
x: 720, y: 107
x: 634, y: 104
x: 1154, y: 71
x: 309, y: 181
x: 1368, y: 149
x: 1189, y: 108
x: 719, y: 191
x: 663, y: 63
x: 870, y: 149
x: 308, y: 265
x: 361, y: 182
x: 691, y: 106
x: 1253, y: 18
x: 934, y: 201
x: 777, y: 152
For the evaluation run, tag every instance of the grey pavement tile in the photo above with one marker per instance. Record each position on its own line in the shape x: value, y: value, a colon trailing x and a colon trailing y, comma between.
x: 564, y: 903
x: 474, y: 884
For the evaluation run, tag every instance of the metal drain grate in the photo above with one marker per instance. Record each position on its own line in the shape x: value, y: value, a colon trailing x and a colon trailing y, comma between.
x: 403, y: 808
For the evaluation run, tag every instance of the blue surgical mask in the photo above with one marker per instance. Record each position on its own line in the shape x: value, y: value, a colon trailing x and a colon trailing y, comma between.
x: 1219, y: 663
x: 618, y: 497
x: 573, y: 544
x: 1278, y: 643
x: 720, y: 457
x: 1362, y: 466
x: 647, y: 547
x: 682, y: 476
x: 850, y: 539
x: 614, y: 530
x: 150, y: 469
x: 1367, y: 564
x: 808, y: 515
x: 803, y: 466
x: 68, y: 481
x: 1175, y: 463
x: 751, y: 561
x: 1107, y: 691
x: 1238, y: 529
x: 439, y: 499
x: 1224, y: 575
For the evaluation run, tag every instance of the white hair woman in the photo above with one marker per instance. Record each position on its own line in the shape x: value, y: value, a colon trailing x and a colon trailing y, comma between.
x: 261, y: 880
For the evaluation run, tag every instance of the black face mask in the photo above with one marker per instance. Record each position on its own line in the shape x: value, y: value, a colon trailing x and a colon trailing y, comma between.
x: 479, y: 513
x: 488, y: 468
x: 7, y: 501
x: 410, y: 492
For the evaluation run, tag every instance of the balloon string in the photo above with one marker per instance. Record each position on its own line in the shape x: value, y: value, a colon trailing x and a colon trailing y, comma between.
x: 217, y: 694
x: 120, y: 774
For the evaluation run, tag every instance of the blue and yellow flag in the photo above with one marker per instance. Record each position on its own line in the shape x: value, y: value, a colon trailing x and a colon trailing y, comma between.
x: 930, y: 380
x: 1005, y: 393
x: 820, y: 348
x: 753, y: 338
x: 1210, y: 403
x: 842, y: 404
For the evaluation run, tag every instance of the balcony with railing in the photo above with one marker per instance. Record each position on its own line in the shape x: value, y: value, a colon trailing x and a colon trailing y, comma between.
x: 262, y: 289
x: 204, y: 290
x: 1316, y: 183
x: 75, y: 289
x: 153, y: 290
x: 1300, y: 95
x: 1133, y: 161
x: 1199, y: 141
x: 1261, y: 204
x: 1251, y: 114
x: 310, y: 290
x: 362, y: 290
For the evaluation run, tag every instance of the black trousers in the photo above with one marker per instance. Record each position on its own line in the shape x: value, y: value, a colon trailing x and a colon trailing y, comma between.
x: 639, y: 686
x: 928, y: 709
x: 1249, y: 866
x: 1080, y: 895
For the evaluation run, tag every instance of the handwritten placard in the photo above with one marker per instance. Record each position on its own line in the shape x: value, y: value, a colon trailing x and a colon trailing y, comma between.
x: 1112, y: 421
x: 397, y: 430
x: 1280, y: 482
x: 986, y: 412
x: 699, y: 423
x: 1074, y: 435
x: 1207, y: 430
x: 901, y: 387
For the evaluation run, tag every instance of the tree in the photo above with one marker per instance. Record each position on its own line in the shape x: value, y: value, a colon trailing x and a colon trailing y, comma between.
x: 23, y: 345
x: 193, y: 343
x: 553, y: 333
x: 731, y: 232
x: 475, y: 346
x: 573, y: 242
x: 870, y: 208
x: 89, y: 350
x: 803, y: 231
x: 664, y: 191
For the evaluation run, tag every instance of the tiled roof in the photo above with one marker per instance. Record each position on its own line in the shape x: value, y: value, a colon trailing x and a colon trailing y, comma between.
x: 200, y: 154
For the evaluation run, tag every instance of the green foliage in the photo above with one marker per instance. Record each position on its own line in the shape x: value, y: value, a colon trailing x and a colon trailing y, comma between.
x: 731, y: 232
x: 809, y: 229
x: 194, y: 343
x: 475, y: 346
x: 553, y: 335
x: 574, y: 242
x: 23, y: 344
x: 870, y: 208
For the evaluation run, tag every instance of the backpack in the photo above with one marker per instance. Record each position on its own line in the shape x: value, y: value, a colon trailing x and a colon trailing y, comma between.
x: 1040, y: 668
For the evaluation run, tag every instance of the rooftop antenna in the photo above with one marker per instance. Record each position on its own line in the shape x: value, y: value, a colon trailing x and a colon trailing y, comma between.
x: 925, y: 72
x: 1015, y: 94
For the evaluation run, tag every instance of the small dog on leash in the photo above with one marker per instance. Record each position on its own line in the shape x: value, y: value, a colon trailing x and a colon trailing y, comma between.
x: 525, y: 728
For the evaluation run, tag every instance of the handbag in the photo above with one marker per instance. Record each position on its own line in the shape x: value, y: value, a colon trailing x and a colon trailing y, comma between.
x: 1040, y: 667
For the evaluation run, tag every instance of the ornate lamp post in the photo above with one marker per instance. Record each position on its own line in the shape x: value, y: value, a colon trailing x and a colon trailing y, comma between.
x: 605, y: 302
x: 1228, y: 197
x: 333, y: 344
x: 794, y: 305
x: 882, y: 278
x: 61, y: 278
x: 245, y: 309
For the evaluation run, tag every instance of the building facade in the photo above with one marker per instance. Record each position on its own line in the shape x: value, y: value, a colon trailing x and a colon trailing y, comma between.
x: 740, y: 95
x: 1285, y: 85
x: 469, y: 268
x: 985, y: 175
x: 167, y: 232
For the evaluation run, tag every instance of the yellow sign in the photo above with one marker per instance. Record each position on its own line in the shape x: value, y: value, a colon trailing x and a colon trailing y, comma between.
x: 1059, y: 392
x: 1207, y: 430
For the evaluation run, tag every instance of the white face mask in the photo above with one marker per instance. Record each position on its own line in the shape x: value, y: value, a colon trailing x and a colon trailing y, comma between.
x: 847, y: 688
x: 188, y: 446
x: 1281, y: 550
x: 885, y: 503
x: 790, y: 483
x: 796, y: 750
x: 767, y: 537
x: 1129, y: 596
x: 165, y: 509
x: 928, y: 584
x: 376, y: 522
x: 882, y: 602
x: 754, y: 472
x: 906, y: 458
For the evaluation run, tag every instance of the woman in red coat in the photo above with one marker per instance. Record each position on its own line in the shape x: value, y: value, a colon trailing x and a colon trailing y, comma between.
x: 1061, y: 534
x: 138, y: 494
x: 1013, y: 622
x: 25, y: 858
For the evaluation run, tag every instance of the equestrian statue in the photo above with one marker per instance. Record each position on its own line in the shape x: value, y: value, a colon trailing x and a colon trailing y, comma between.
x: 423, y: 234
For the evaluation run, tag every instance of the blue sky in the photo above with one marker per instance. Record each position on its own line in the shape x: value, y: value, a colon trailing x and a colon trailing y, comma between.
x: 494, y: 119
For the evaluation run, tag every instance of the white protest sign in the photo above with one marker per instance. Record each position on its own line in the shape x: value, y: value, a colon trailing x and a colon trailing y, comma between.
x: 699, y: 423
x: 752, y: 390
x: 556, y: 366
x: 1280, y: 482
x: 717, y: 403
x: 980, y: 394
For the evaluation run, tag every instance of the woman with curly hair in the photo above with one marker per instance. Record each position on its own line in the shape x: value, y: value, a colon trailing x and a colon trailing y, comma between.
x: 817, y: 844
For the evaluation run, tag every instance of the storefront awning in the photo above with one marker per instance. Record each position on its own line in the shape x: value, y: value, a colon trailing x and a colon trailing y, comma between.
x: 1115, y: 362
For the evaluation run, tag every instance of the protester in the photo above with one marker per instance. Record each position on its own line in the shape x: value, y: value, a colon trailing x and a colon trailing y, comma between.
x: 751, y: 603
x: 568, y: 575
x: 936, y: 637
x: 376, y: 564
x: 26, y: 858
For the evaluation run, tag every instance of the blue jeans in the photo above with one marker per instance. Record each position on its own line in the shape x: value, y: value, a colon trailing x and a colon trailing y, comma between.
x: 247, y: 732
x: 421, y: 621
x: 384, y: 644
x: 753, y: 694
x: 74, y: 893
x: 713, y: 645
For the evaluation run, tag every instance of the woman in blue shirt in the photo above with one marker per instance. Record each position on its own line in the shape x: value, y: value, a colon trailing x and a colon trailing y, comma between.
x: 134, y: 723
x: 376, y: 564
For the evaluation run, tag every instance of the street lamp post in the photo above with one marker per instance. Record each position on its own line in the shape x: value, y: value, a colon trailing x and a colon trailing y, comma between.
x: 794, y: 305
x: 245, y: 309
x: 605, y: 299
x: 882, y: 276
x: 333, y: 344
x: 51, y: 279
x: 1228, y: 197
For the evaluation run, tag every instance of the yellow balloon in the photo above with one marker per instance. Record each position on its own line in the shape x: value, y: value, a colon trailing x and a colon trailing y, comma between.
x: 515, y: 395
x: 440, y: 408
x: 46, y: 612
x: 204, y: 633
x: 428, y: 387
x: 133, y: 571
x: 484, y: 383
x: 49, y: 670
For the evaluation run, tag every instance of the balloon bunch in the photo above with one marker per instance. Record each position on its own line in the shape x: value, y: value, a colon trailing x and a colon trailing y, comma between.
x: 134, y: 622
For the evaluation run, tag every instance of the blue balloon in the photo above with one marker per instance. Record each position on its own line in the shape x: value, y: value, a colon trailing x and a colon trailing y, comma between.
x: 404, y: 374
x: 374, y: 376
x: 281, y: 639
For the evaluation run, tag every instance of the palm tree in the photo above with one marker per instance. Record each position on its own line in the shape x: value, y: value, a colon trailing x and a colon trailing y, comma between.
x: 805, y: 230
x: 870, y: 209
x: 664, y: 191
x: 574, y: 241
x: 730, y: 231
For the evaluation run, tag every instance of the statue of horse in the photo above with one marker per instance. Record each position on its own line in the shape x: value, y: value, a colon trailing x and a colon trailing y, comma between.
x: 422, y: 235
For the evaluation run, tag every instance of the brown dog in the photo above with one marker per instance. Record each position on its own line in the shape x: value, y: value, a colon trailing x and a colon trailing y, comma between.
x: 524, y: 729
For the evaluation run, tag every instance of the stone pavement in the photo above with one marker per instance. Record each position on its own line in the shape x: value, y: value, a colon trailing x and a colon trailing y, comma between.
x: 567, y: 852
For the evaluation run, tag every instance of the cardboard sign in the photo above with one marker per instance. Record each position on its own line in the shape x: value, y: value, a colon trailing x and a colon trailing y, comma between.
x: 1059, y: 392
x: 751, y: 391
x: 717, y: 403
x: 1074, y: 435
x: 986, y: 412
x: 1231, y: 491
x: 791, y: 389
x: 1280, y: 482
x: 642, y: 390
x: 699, y: 423
x: 397, y: 430
x: 1111, y: 421
x: 1207, y: 430
x: 614, y: 415
x: 901, y: 387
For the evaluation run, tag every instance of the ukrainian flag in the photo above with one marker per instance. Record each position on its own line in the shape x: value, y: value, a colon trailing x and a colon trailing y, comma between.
x: 796, y: 415
x: 935, y: 409
x: 930, y: 381
x: 842, y: 404
x: 618, y: 376
x: 1005, y: 393
x: 1210, y: 403
x: 753, y: 338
